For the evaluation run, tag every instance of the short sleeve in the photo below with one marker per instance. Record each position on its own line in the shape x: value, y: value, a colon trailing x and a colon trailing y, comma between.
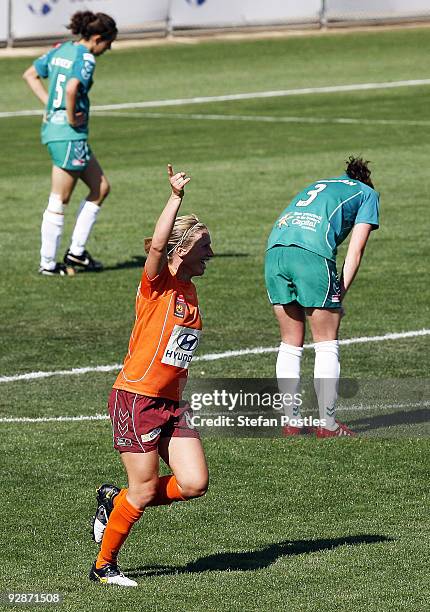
x: 83, y: 69
x: 157, y: 285
x: 41, y: 65
x: 369, y: 210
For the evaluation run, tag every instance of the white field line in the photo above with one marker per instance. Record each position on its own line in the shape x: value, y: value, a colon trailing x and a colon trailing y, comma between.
x: 241, y: 96
x: 93, y: 417
x: 361, y: 407
x: 266, y: 118
x: 210, y: 356
x: 105, y: 417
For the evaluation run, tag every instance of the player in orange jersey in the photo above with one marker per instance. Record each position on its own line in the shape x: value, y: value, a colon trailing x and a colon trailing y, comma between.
x: 148, y: 419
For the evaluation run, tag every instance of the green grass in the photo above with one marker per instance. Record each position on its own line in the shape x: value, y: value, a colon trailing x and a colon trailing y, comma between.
x: 288, y: 525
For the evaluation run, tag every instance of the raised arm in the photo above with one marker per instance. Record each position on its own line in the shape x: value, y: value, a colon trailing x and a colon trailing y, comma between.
x: 357, y: 244
x: 157, y: 256
x: 35, y: 83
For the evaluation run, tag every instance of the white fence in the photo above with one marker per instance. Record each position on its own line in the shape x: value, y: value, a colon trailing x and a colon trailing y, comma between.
x: 23, y: 20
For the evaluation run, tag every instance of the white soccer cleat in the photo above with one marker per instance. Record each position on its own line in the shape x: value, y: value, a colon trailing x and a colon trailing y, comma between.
x: 110, y: 574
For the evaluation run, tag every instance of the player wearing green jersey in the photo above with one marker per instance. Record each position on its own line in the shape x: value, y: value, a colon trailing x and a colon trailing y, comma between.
x: 302, y: 281
x: 70, y: 68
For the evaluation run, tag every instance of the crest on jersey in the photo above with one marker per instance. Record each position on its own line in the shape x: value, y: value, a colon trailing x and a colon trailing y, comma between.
x: 180, y: 306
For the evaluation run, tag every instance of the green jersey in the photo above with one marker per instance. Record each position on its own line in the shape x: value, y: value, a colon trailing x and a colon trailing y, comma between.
x: 60, y: 64
x: 322, y: 215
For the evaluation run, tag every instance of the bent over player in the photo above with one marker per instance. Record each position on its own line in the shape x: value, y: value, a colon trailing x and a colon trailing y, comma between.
x: 148, y: 419
x: 70, y: 68
x: 302, y: 281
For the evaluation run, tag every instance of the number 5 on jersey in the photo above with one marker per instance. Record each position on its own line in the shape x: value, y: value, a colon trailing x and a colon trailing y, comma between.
x: 59, y: 90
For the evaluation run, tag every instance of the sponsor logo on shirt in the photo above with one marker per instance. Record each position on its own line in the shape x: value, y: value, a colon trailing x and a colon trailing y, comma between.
x: 283, y: 221
x: 180, y: 349
x: 303, y: 220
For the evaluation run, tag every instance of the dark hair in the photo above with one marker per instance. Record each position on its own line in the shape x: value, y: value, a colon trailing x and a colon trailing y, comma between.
x: 86, y: 24
x: 356, y: 168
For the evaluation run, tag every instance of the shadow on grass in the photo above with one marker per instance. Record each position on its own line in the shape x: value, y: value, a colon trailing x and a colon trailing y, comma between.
x: 255, y: 559
x: 404, y: 417
x: 138, y: 261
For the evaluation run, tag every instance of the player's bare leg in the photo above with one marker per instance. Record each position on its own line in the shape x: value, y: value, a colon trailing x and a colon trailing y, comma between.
x: 88, y: 211
x: 142, y: 473
x: 62, y: 184
x: 186, y: 459
x: 96, y: 181
x: 324, y: 325
x: 291, y: 319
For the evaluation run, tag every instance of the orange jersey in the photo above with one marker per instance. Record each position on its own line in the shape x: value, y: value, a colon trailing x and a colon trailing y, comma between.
x: 165, y: 335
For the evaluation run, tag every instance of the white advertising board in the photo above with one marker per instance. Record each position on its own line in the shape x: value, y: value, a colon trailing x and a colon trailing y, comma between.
x: 4, y: 20
x: 38, y: 18
x: 376, y: 9
x: 211, y: 13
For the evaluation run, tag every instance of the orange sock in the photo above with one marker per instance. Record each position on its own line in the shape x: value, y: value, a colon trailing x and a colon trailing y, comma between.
x: 120, y: 522
x: 120, y: 495
x: 167, y: 492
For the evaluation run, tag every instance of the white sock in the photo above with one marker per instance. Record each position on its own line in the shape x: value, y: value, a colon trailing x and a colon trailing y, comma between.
x: 326, y: 378
x: 87, y: 215
x: 288, y: 375
x: 51, y: 231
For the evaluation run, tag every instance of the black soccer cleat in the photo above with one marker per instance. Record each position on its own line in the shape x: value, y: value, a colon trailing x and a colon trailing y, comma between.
x: 59, y: 270
x: 82, y: 262
x: 110, y: 574
x: 106, y: 493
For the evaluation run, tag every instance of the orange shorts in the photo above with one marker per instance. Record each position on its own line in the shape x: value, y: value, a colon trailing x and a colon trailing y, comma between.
x: 138, y: 421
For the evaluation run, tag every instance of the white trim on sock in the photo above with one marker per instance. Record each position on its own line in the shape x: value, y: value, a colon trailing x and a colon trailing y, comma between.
x: 55, y: 204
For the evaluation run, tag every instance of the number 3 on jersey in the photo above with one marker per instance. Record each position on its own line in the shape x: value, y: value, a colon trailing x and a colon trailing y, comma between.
x: 59, y: 90
x: 312, y: 193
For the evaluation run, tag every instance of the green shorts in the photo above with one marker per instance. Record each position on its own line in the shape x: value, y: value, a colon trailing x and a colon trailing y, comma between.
x: 70, y: 154
x: 295, y: 274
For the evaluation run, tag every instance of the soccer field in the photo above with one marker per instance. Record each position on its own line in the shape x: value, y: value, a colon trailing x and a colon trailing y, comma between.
x: 286, y: 524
